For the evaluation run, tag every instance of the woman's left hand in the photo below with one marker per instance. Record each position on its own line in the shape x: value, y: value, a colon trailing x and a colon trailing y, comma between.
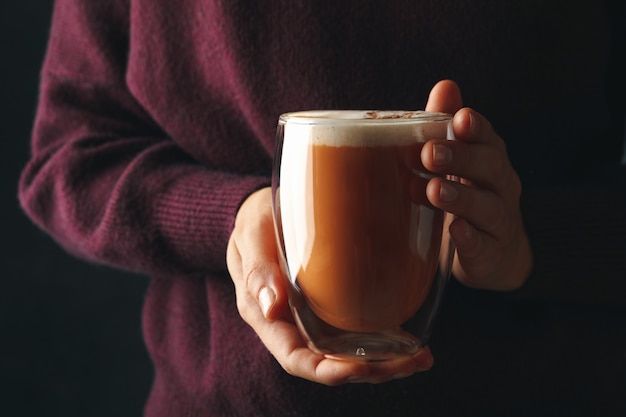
x: 493, y: 250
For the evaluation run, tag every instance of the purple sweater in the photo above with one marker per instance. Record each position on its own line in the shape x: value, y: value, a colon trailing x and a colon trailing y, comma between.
x: 157, y: 118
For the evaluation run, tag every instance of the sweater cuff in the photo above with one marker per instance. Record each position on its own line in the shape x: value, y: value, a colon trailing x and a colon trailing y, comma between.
x: 196, y: 216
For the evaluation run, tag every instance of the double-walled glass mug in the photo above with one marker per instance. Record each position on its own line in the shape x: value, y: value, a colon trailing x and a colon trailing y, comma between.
x: 367, y: 256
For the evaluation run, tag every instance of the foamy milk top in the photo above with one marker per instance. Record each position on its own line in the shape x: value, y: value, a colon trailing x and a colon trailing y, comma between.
x: 365, y: 128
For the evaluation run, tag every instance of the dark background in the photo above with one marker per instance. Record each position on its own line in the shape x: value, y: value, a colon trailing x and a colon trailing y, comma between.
x: 70, y: 332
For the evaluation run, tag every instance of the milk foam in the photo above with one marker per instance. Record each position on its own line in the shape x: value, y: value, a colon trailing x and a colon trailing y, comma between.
x: 365, y: 128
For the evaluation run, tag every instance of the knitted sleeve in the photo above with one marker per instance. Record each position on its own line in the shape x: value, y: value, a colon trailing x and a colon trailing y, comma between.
x: 104, y: 179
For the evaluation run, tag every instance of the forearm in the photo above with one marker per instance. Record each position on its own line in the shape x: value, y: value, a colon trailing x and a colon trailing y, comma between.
x: 111, y: 187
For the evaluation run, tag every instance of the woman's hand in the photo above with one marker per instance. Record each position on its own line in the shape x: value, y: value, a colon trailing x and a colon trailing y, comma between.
x: 493, y: 251
x: 260, y: 286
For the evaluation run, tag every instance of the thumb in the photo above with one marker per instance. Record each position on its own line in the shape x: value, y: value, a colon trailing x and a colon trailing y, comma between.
x: 445, y: 97
x: 265, y: 282
x: 253, y: 258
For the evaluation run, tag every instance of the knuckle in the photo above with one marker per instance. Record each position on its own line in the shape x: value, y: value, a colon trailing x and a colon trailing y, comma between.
x: 247, y: 291
x: 253, y: 277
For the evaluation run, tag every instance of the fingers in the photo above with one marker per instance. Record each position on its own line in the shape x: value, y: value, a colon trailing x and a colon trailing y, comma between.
x: 484, y: 209
x: 253, y: 261
x: 478, y: 155
x: 472, y: 127
x: 260, y: 294
x: 456, y: 157
x: 490, y: 189
x: 253, y: 267
x: 482, y: 165
x: 262, y: 302
x: 284, y: 341
x: 493, y: 251
x: 445, y: 97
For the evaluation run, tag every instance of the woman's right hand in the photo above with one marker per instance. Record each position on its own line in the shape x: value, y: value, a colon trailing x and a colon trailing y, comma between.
x: 260, y: 286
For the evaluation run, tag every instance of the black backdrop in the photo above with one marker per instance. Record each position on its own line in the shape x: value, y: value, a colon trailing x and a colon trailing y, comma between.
x: 70, y: 332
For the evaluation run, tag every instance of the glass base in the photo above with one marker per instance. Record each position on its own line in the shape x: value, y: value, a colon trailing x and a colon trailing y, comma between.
x: 335, y: 343
x: 372, y: 347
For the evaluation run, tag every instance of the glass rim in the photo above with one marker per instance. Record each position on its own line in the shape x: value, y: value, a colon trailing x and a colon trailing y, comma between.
x: 352, y: 117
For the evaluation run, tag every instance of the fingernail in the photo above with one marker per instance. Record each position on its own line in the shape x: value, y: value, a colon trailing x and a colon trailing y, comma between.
x: 442, y: 155
x: 267, y: 297
x: 447, y: 192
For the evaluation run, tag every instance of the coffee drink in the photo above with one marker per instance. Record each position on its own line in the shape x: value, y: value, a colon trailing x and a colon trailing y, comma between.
x: 361, y: 241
